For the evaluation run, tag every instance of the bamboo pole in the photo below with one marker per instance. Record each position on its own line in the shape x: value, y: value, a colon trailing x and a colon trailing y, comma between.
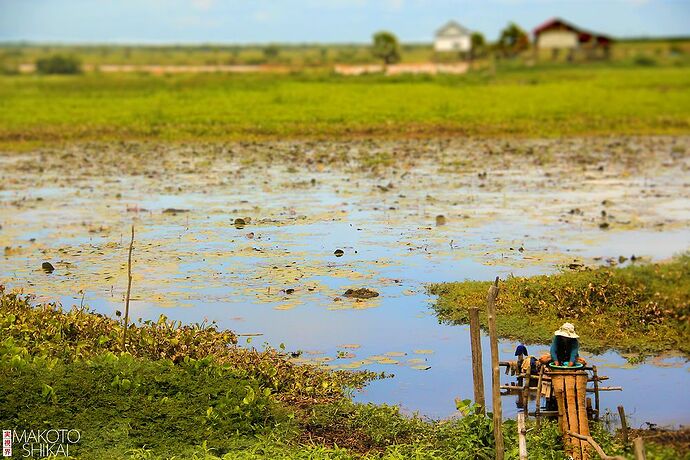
x: 129, y: 290
x: 537, y: 409
x: 624, y: 425
x: 638, y: 446
x: 596, y: 446
x: 476, y: 345
x: 522, y: 436
x: 495, y: 375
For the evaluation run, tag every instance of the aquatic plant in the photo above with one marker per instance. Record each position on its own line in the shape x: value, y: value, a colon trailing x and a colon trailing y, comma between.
x: 641, y: 308
x: 48, y: 331
x: 233, y: 403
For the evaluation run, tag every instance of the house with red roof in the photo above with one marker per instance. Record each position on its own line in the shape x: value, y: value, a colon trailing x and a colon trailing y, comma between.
x: 559, y: 35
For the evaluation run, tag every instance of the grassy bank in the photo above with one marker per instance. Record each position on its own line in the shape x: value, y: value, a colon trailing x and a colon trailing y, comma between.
x: 639, y: 308
x: 190, y: 392
x: 541, y: 101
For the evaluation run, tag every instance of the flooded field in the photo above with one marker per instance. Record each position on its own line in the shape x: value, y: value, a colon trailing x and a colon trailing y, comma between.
x: 266, y: 238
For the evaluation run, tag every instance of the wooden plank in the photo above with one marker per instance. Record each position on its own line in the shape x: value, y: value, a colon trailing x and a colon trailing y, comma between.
x: 546, y: 413
x: 581, y: 389
x: 522, y: 436
x: 571, y: 409
x: 476, y: 345
x: 559, y: 391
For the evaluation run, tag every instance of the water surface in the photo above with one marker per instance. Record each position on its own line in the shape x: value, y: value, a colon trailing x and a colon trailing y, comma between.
x: 196, y: 264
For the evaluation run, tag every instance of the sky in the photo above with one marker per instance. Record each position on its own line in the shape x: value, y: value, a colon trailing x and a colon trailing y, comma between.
x: 323, y: 21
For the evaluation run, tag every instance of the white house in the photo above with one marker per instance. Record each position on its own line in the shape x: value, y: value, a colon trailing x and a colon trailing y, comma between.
x: 453, y: 38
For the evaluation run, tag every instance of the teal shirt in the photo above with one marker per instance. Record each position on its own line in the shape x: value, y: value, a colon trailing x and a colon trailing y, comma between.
x: 572, y: 356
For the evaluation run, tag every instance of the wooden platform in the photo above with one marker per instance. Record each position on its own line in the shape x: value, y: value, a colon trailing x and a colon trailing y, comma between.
x: 570, y: 389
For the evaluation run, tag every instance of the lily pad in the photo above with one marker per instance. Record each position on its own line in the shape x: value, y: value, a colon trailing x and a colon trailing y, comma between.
x: 423, y: 352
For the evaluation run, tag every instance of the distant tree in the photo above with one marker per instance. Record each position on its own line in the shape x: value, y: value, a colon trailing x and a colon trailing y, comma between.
x: 513, y: 40
x: 58, y: 64
x: 271, y: 52
x: 478, y: 44
x: 386, y: 47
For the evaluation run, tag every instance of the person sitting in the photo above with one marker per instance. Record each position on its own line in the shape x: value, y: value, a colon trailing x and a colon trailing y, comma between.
x: 565, y: 347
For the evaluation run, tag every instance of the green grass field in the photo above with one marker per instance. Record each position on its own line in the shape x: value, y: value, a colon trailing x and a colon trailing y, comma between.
x: 551, y: 100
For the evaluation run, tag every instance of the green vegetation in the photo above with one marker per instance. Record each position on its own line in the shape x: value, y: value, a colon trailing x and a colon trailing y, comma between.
x: 641, y: 308
x: 58, y: 64
x: 551, y: 100
x: 65, y: 370
x: 479, y: 46
x: 50, y: 332
x: 513, y: 41
x: 386, y: 47
x: 667, y: 50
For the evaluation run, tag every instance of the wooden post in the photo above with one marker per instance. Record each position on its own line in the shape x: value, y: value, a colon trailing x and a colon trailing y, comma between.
x: 522, y: 438
x: 495, y: 374
x: 638, y: 445
x: 596, y: 392
x: 624, y: 425
x: 525, y: 390
x: 537, y: 409
x: 476, y: 345
x: 129, y: 290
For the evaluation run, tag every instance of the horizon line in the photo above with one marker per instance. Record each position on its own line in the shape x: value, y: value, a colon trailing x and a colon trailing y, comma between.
x: 29, y: 42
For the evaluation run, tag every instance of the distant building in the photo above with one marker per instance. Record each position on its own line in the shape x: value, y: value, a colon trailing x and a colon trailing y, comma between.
x: 453, y: 38
x: 557, y: 34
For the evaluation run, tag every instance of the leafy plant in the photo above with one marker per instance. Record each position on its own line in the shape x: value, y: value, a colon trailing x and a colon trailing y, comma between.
x: 49, y: 332
x: 640, y: 308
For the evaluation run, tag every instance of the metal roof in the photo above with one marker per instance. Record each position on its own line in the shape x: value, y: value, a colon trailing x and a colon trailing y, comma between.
x: 453, y: 25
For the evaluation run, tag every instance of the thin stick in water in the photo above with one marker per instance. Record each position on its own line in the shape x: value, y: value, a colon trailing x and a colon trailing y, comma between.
x: 129, y: 290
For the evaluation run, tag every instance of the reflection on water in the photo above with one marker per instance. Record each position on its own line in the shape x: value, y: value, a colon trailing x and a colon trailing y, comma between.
x: 195, y: 264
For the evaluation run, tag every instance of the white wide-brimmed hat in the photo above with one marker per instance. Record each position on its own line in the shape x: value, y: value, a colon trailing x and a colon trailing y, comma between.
x: 567, y: 330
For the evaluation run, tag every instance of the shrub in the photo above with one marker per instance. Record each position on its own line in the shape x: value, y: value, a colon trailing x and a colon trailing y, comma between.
x: 123, y: 402
x: 644, y: 61
x: 640, y: 308
x: 58, y: 64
